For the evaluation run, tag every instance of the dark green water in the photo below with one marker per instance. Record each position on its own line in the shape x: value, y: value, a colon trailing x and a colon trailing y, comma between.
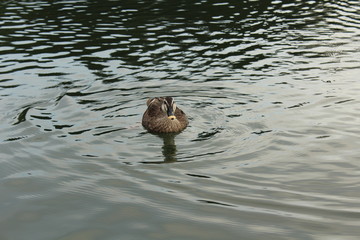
x: 271, y: 89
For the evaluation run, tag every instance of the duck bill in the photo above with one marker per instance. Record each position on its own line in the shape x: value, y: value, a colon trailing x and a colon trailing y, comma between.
x: 171, y: 114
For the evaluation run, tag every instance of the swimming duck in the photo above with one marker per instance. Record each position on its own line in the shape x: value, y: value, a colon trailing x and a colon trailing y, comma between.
x: 163, y: 116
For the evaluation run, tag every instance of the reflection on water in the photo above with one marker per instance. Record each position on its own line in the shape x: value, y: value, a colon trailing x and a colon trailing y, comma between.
x: 270, y: 88
x: 169, y: 148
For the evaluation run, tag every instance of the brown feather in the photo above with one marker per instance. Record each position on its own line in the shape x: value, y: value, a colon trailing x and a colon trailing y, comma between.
x: 156, y: 120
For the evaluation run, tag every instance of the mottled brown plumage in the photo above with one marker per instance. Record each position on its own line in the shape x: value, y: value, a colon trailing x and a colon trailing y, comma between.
x: 163, y: 116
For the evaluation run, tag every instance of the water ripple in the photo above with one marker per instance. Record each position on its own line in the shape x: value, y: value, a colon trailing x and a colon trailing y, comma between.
x: 270, y: 89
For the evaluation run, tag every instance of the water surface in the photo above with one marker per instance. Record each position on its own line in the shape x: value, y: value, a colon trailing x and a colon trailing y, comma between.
x: 270, y: 88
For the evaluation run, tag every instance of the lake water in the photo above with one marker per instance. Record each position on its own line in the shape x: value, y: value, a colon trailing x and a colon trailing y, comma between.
x: 271, y: 89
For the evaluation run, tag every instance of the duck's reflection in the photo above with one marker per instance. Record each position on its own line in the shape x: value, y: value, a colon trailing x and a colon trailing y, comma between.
x: 169, y: 147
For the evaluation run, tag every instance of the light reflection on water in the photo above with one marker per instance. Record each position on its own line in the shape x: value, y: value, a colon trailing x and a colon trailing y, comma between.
x: 270, y: 89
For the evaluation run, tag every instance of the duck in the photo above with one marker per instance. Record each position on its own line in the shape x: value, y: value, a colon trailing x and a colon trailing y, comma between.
x: 163, y: 116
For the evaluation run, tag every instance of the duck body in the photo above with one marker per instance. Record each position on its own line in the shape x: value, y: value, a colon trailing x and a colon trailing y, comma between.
x: 163, y: 116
